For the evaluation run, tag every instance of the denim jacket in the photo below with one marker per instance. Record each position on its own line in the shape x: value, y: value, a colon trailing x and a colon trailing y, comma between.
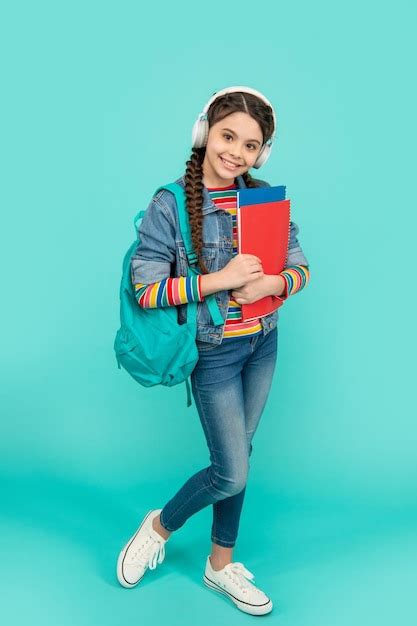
x: 161, y: 254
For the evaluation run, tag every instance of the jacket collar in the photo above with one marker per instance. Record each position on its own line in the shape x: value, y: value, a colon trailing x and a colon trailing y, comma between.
x: 208, y: 204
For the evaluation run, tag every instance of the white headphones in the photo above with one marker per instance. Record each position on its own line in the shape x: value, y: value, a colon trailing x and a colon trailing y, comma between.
x: 201, y: 126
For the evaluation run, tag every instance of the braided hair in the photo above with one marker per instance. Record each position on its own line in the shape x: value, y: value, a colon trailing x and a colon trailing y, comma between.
x: 221, y: 107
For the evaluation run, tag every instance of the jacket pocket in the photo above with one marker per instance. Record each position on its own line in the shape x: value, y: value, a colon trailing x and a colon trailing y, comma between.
x: 208, y: 253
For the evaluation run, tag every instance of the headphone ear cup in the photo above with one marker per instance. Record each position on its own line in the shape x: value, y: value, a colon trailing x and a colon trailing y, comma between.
x: 200, y: 133
x: 263, y: 156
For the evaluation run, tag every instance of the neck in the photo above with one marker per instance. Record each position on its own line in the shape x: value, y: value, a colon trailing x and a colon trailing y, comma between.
x: 216, y: 187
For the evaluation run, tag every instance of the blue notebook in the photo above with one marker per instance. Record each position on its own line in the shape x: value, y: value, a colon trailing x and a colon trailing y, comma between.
x: 257, y: 195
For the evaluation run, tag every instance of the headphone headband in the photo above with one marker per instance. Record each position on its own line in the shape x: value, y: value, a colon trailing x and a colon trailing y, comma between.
x: 233, y: 89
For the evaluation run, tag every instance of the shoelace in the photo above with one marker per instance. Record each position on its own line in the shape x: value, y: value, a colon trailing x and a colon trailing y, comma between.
x: 242, y: 576
x: 150, y: 555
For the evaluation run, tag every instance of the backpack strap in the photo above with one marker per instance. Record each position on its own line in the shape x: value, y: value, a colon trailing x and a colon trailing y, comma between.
x: 138, y: 217
x: 180, y: 198
x: 188, y: 388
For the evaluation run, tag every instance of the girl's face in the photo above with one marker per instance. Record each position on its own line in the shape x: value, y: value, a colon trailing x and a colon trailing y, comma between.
x: 232, y: 148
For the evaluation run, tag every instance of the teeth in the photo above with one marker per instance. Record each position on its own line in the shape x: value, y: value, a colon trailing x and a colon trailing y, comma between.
x: 232, y: 165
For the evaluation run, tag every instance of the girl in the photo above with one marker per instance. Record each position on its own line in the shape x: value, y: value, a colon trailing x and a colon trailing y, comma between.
x: 233, y: 375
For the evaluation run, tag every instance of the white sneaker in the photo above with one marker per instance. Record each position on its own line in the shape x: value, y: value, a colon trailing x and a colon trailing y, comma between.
x: 234, y: 581
x: 146, y: 548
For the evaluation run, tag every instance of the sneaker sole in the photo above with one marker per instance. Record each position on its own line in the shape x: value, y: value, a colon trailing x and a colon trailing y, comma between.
x: 253, y: 609
x: 120, y: 576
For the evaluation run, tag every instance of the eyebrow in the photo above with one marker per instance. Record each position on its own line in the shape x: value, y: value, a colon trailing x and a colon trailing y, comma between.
x: 233, y: 133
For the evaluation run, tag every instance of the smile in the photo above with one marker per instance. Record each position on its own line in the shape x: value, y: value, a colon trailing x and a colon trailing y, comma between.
x: 228, y: 164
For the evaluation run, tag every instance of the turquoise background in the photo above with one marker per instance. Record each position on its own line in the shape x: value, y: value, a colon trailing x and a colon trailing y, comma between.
x: 98, y: 104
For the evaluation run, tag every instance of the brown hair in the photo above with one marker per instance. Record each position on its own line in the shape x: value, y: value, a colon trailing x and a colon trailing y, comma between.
x: 220, y: 108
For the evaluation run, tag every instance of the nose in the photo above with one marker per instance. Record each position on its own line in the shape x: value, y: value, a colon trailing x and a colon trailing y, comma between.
x: 235, y: 153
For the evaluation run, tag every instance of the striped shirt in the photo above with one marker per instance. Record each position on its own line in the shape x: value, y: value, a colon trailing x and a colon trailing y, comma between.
x: 225, y: 198
x: 183, y: 289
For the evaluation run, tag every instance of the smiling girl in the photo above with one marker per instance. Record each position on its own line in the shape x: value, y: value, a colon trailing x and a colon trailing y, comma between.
x: 234, y: 373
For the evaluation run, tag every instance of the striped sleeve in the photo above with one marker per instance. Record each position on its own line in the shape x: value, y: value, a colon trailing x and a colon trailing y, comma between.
x: 296, y: 277
x: 169, y: 292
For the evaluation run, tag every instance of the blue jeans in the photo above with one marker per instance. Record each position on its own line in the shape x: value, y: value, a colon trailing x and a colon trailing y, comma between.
x: 230, y: 384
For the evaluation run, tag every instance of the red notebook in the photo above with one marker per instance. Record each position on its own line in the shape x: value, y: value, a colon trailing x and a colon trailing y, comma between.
x: 264, y: 230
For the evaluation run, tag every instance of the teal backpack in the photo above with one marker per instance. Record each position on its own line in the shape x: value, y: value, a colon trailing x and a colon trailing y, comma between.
x: 150, y: 344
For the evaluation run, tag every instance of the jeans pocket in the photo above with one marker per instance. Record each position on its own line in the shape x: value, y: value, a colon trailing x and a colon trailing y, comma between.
x: 205, y: 346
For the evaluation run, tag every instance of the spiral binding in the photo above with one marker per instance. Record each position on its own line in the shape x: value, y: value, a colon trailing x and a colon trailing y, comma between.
x: 289, y: 230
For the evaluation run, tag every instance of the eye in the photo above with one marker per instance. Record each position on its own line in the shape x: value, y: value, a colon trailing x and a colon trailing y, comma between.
x: 251, y: 145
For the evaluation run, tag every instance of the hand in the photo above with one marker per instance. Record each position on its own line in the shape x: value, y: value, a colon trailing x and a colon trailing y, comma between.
x: 252, y: 291
x: 240, y: 270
